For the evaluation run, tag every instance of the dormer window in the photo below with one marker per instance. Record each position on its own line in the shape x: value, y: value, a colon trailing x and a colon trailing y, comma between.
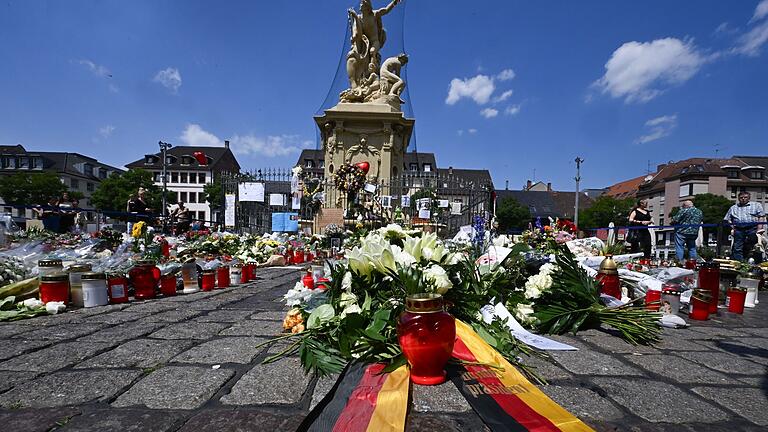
x: 756, y: 175
x: 309, y: 163
x: 150, y: 159
x: 754, y: 172
x: 102, y: 173
x: 186, y: 160
x: 88, y: 169
x: 427, y: 167
x: 170, y: 159
x: 414, y: 167
x: 733, y: 174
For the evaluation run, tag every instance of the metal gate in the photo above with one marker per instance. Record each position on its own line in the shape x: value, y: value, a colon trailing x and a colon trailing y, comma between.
x: 453, y: 201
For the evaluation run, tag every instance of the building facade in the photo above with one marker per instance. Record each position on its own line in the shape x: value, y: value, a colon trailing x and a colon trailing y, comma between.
x: 675, y: 182
x: 78, y: 172
x: 186, y: 177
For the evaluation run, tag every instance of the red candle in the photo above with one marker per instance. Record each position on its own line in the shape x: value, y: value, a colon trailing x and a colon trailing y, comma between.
x: 54, y: 288
x: 222, y: 274
x: 653, y: 300
x: 117, y: 288
x: 144, y: 276
x: 735, y: 300
x: 699, y: 309
x: 610, y: 284
x: 168, y: 285
x: 208, y: 280
x: 308, y: 280
x: 709, y: 279
x: 426, y: 334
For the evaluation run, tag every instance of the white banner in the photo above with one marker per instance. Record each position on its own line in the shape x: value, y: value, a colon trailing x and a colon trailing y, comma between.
x: 251, y: 192
x: 276, y: 199
x: 229, y: 210
x: 521, y: 333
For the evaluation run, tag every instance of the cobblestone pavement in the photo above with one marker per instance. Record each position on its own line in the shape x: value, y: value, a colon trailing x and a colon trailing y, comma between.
x: 188, y: 363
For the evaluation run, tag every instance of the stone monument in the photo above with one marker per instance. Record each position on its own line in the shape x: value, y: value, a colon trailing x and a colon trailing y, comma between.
x: 368, y: 125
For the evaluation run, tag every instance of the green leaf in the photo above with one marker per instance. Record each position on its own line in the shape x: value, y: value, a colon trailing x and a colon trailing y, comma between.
x: 367, y: 303
x: 374, y: 335
x: 320, y: 315
x: 8, y: 303
x: 483, y: 333
x: 396, y: 362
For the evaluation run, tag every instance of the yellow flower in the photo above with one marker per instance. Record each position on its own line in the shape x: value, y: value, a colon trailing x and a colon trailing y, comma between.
x: 138, y: 229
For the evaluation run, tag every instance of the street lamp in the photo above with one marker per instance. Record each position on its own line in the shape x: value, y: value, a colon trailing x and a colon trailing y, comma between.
x: 164, y: 146
x: 578, y: 179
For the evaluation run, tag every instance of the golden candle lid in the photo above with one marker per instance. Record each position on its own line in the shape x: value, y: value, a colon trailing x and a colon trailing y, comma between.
x: 424, y: 303
x: 608, y: 266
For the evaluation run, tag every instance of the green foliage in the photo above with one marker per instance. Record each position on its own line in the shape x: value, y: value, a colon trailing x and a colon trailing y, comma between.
x: 713, y: 207
x: 214, y: 194
x: 112, y: 193
x: 512, y: 215
x: 31, y: 188
x: 605, y: 210
x: 573, y: 304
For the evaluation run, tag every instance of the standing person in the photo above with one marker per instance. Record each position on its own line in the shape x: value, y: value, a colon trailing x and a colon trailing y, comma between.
x: 67, y: 208
x: 745, y: 217
x: 640, y: 217
x: 685, y: 236
x: 183, y: 218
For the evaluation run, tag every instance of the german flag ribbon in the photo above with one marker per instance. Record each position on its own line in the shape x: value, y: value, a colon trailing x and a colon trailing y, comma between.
x: 363, y: 400
x: 501, y: 395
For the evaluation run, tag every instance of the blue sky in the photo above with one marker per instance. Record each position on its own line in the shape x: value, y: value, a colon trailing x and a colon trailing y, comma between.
x: 510, y: 86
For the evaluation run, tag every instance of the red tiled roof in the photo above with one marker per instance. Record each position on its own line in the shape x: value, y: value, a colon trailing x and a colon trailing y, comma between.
x: 625, y: 189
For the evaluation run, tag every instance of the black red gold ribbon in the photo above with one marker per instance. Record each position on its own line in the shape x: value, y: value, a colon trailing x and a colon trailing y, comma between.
x: 366, y: 400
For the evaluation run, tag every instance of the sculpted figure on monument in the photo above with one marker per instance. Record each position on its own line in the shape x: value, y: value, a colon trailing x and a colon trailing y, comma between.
x: 391, y: 83
x: 364, y: 56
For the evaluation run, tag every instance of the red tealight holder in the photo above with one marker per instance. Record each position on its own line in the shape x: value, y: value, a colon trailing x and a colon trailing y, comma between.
x: 709, y: 279
x: 736, y: 299
x: 308, y: 280
x: 653, y: 300
x: 699, y: 308
x: 208, y: 280
x: 222, y: 274
x: 144, y: 277
x: 117, y: 288
x: 426, y: 334
x: 168, y: 285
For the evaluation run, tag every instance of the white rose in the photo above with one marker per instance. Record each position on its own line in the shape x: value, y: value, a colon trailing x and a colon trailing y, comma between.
x: 437, y: 275
x: 524, y: 313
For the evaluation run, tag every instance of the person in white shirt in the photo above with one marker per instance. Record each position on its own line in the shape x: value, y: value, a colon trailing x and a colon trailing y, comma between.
x: 748, y: 221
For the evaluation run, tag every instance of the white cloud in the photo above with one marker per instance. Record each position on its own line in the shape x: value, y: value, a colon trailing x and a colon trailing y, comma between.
x: 751, y: 42
x: 169, y: 78
x: 506, y: 75
x: 106, y: 131
x: 639, y: 71
x: 194, y: 135
x: 658, y: 128
x: 489, y: 112
x: 478, y: 88
x: 270, y: 146
x: 761, y: 11
x: 513, y: 110
x: 472, y: 131
x: 98, y: 70
x: 504, y: 96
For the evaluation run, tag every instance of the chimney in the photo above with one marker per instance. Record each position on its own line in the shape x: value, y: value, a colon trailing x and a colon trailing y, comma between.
x: 528, y: 185
x: 660, y: 167
x: 506, y: 185
x: 226, y: 144
x: 549, y: 187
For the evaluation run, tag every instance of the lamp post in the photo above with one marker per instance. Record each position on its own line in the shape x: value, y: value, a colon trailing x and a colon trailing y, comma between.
x: 578, y: 179
x: 164, y: 146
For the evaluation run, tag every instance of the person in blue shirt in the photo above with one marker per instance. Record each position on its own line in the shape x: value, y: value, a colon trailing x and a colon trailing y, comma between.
x: 748, y: 220
x: 689, y: 218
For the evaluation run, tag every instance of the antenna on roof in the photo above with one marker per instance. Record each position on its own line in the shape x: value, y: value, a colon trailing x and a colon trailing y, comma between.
x: 648, y: 169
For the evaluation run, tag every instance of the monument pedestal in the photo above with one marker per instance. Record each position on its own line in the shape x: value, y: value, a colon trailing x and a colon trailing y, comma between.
x: 375, y: 132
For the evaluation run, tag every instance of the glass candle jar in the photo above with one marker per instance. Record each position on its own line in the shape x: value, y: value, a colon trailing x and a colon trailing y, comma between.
x: 700, y: 306
x: 426, y: 334
x: 117, y: 288
x: 308, y: 280
x: 251, y: 271
x: 222, y: 277
x: 94, y: 288
x: 144, y: 277
x: 735, y: 300
x: 235, y: 274
x: 653, y: 300
x: 168, y: 284
x: 54, y: 288
x: 670, y: 299
x: 49, y: 266
x: 709, y: 279
x: 189, y: 276
x: 76, y: 272
x: 208, y: 280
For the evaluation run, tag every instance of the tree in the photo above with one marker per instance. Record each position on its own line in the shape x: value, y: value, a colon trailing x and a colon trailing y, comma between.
x: 112, y: 193
x: 512, y: 215
x: 605, y: 210
x: 213, y: 193
x: 31, y: 188
x: 714, y: 207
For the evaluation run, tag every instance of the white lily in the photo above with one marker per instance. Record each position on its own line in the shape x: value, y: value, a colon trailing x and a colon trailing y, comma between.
x: 439, y: 278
